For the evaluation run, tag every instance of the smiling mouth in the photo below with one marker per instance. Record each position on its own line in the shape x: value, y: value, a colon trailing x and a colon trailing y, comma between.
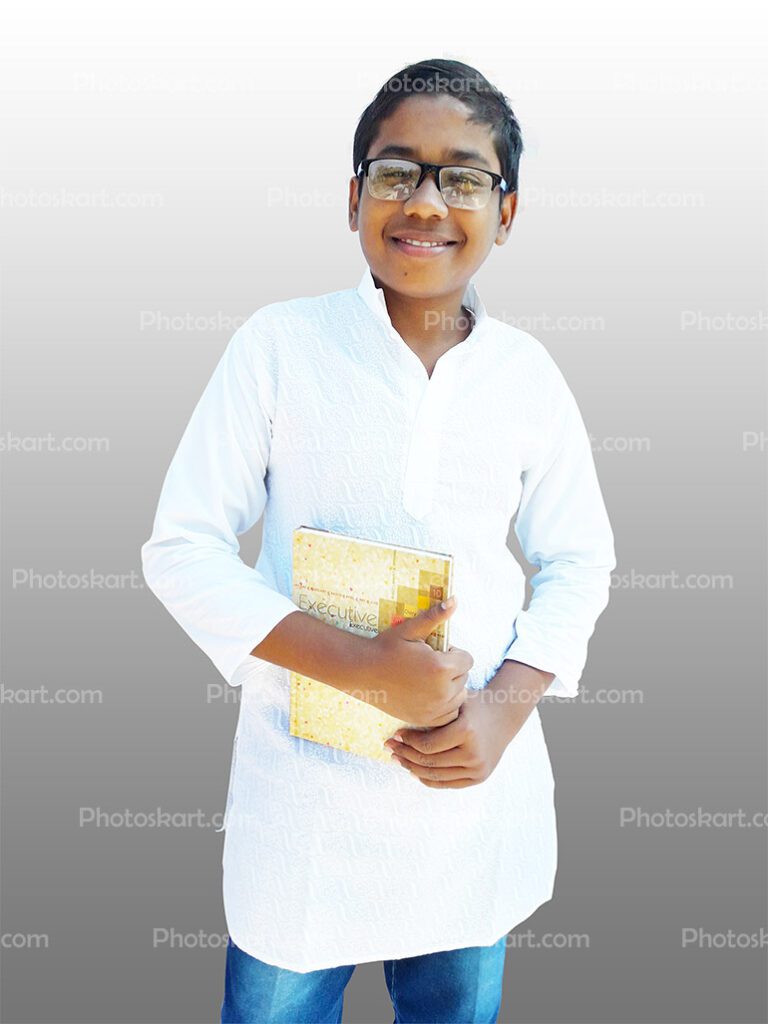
x: 422, y: 247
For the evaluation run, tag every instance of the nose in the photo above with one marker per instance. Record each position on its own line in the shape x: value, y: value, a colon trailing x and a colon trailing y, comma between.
x: 427, y: 200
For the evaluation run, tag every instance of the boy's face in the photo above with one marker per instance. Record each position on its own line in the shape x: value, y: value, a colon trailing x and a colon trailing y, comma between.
x: 428, y: 128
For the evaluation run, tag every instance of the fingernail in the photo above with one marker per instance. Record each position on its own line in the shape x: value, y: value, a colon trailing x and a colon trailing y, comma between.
x: 445, y: 605
x: 398, y: 737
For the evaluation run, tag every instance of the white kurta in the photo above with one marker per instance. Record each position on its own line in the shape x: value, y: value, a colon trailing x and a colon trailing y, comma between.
x: 319, y: 414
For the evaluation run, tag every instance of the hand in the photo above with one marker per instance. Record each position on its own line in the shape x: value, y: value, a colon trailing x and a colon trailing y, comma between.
x: 408, y: 679
x: 462, y: 753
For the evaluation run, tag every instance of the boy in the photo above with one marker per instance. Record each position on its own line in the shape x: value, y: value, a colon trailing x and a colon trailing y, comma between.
x: 398, y: 411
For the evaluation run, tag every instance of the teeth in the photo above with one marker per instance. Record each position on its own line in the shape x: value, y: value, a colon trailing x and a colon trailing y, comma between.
x: 413, y: 241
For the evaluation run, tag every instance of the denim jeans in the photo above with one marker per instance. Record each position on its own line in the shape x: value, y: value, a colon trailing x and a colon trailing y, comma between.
x: 454, y: 986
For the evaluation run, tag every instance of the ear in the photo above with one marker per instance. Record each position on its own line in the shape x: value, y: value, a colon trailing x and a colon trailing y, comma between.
x: 506, y: 216
x: 354, y: 201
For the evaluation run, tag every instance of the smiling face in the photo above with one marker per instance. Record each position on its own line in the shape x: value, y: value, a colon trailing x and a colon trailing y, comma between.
x: 434, y: 129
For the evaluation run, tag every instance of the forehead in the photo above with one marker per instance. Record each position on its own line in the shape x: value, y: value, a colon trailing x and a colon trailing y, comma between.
x: 436, y: 129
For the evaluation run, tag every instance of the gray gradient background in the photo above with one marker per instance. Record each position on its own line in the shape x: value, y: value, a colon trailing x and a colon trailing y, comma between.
x: 75, y: 360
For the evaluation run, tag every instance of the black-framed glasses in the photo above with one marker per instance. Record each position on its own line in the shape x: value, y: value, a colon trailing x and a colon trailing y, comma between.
x: 466, y: 188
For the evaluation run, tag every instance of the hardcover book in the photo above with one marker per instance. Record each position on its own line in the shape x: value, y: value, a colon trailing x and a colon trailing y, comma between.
x: 363, y: 586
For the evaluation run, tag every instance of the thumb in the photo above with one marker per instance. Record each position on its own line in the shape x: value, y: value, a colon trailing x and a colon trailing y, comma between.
x: 419, y: 627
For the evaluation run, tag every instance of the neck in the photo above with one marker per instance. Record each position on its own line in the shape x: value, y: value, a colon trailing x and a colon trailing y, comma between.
x: 429, y: 324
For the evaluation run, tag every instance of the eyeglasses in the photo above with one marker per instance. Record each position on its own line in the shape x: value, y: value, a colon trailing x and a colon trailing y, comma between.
x: 466, y: 188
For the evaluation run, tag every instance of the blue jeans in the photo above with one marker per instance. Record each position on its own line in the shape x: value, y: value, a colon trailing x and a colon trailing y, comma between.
x: 454, y: 986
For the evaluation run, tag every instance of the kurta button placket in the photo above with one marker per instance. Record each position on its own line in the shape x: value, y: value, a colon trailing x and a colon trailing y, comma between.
x: 431, y: 400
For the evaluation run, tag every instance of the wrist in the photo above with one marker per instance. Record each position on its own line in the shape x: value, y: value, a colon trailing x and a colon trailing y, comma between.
x: 517, y: 689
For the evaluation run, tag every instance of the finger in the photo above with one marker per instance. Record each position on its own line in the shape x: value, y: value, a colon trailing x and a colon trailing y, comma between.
x: 451, y: 713
x: 436, y: 774
x: 446, y: 719
x: 431, y: 741
x: 457, y: 659
x: 455, y: 757
x: 452, y: 706
x: 457, y: 784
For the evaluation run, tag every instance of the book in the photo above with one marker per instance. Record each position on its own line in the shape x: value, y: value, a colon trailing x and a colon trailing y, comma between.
x: 364, y: 586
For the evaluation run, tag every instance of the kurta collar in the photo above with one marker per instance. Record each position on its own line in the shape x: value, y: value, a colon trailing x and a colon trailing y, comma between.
x: 374, y: 299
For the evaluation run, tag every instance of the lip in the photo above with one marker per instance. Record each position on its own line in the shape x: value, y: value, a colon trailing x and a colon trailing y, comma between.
x: 422, y: 251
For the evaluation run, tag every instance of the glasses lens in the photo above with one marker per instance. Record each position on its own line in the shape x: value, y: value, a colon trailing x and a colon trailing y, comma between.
x: 465, y: 187
x: 392, y: 179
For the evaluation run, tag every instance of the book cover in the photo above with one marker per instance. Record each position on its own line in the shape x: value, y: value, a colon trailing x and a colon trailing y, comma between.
x: 363, y: 586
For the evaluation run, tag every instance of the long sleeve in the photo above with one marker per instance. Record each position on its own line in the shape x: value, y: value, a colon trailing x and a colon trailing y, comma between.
x: 563, y: 528
x: 214, y: 491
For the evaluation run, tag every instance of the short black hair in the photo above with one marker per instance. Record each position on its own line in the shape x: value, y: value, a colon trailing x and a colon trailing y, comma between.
x: 430, y: 77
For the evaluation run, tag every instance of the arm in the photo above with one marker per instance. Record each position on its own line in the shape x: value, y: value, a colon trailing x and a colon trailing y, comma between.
x: 563, y: 528
x: 519, y: 688
x: 316, y: 649
x: 465, y: 751
x: 214, y: 491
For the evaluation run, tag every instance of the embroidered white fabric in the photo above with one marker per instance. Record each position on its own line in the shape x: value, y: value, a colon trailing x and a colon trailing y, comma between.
x: 318, y: 413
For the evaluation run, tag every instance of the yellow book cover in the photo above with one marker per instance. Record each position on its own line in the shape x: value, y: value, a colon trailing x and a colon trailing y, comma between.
x: 363, y: 586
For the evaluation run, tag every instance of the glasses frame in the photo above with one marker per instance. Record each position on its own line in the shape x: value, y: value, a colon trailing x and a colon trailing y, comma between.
x: 497, y: 180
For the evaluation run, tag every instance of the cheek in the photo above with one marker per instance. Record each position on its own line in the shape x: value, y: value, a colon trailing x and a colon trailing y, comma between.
x: 372, y: 233
x: 484, y: 233
x: 474, y: 228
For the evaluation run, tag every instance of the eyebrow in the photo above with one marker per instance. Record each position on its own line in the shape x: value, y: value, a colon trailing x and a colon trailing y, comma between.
x: 409, y: 153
